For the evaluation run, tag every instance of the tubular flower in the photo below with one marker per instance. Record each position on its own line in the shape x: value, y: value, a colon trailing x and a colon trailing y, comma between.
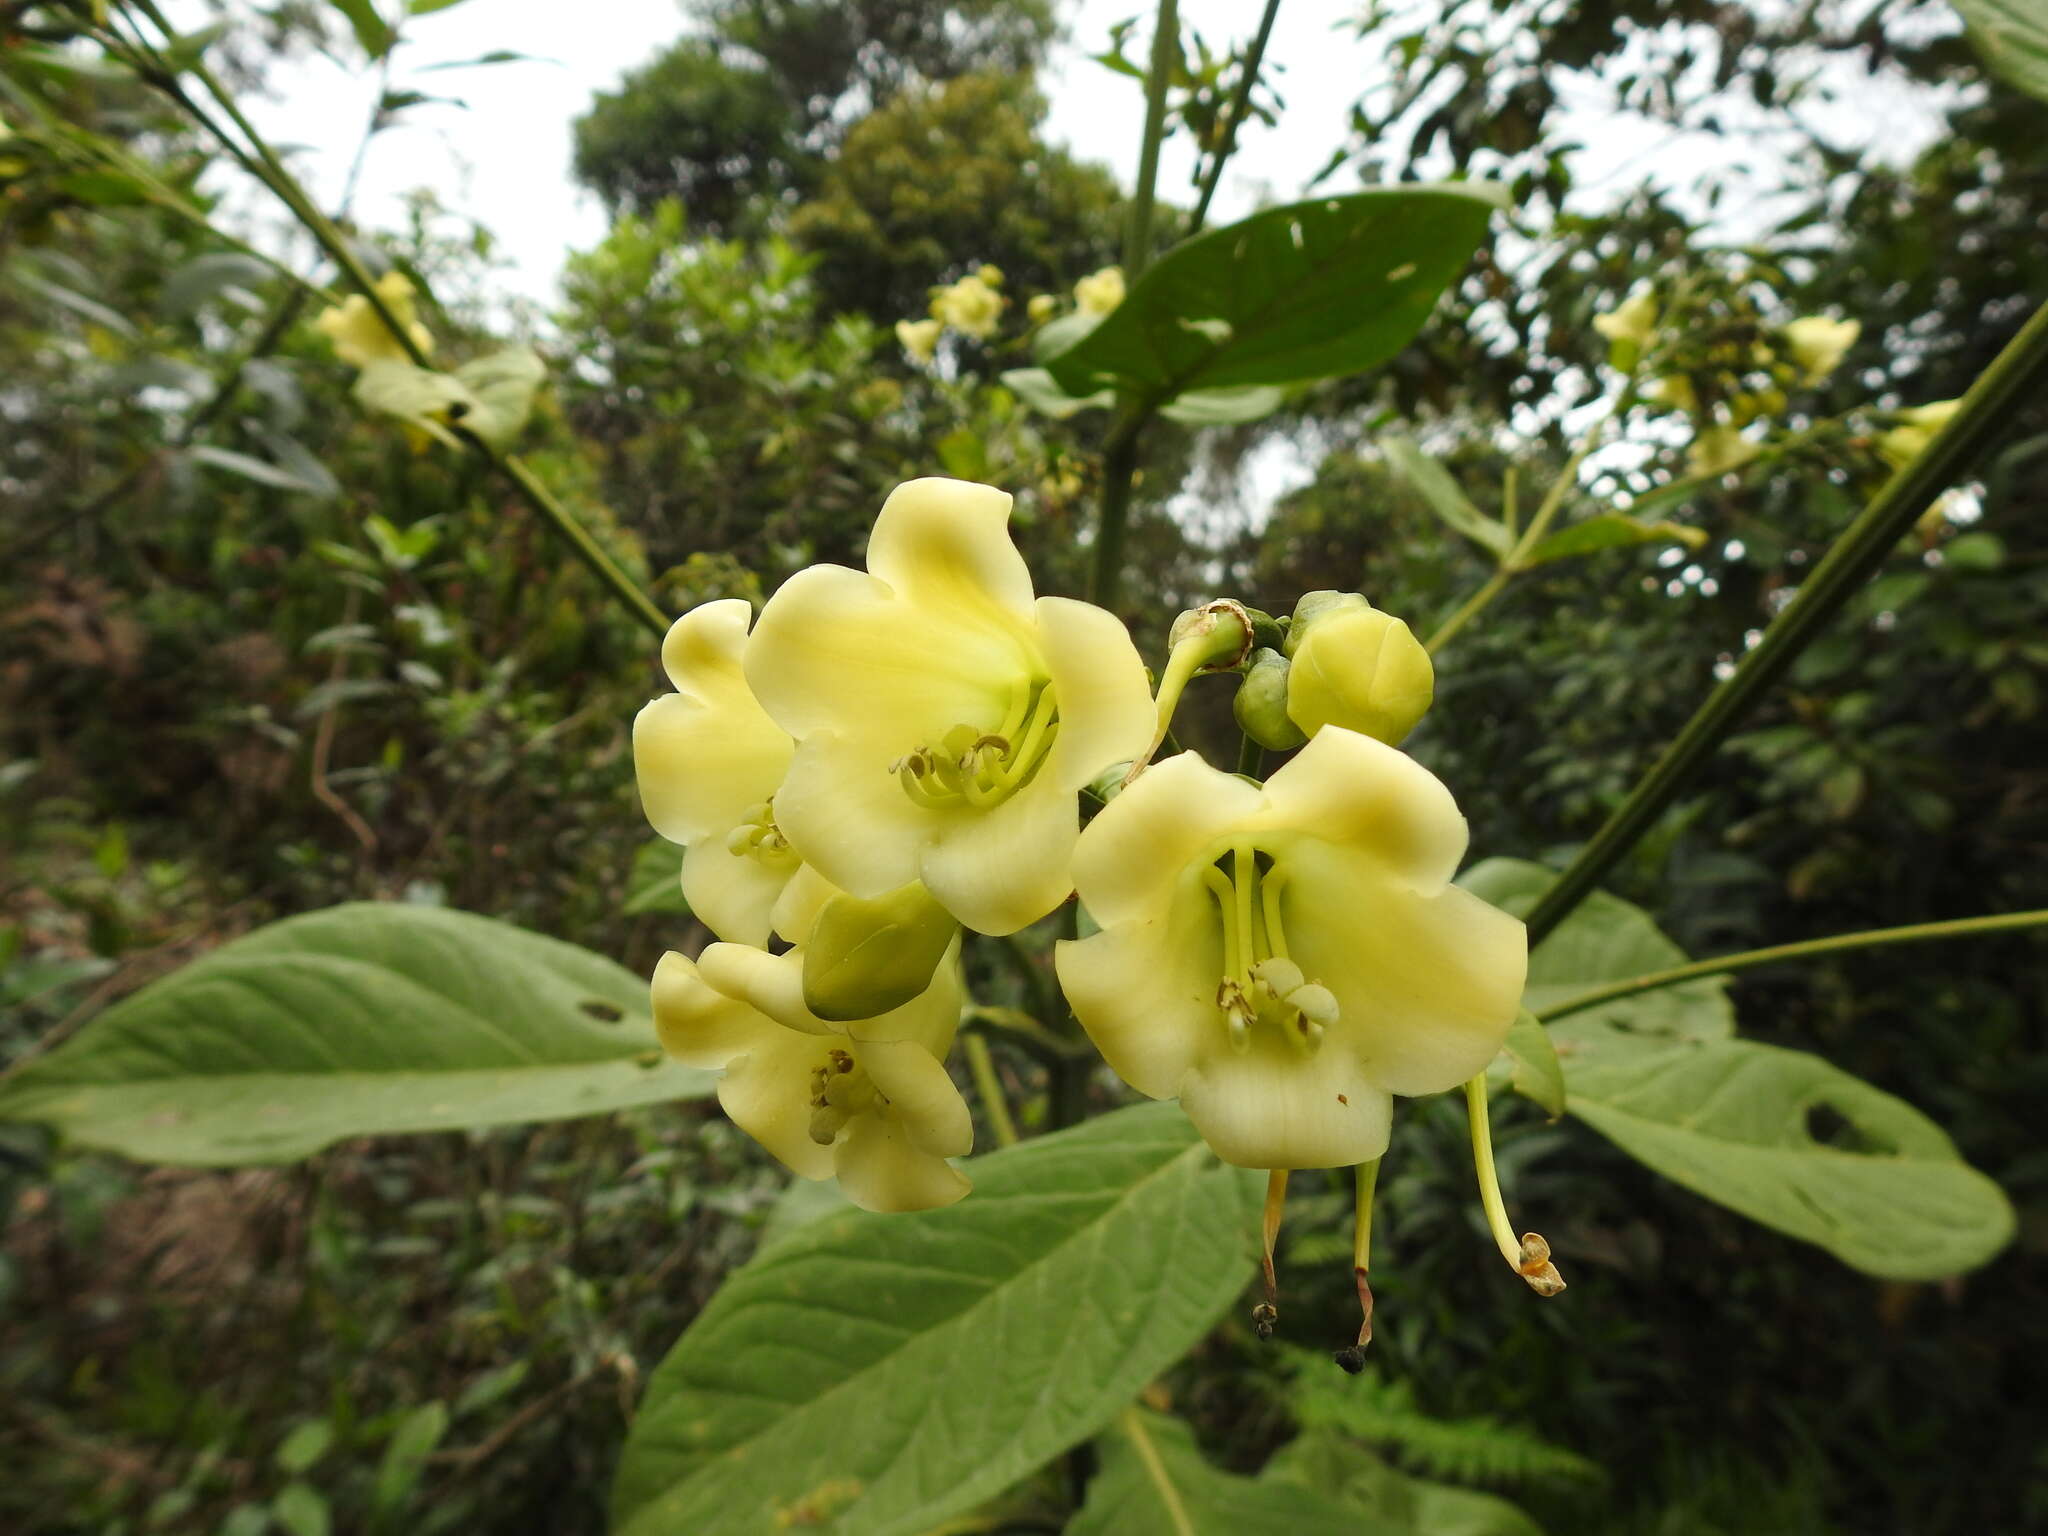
x: 709, y: 761
x: 919, y: 338
x: 358, y: 333
x: 1100, y: 292
x: 970, y: 306
x: 1286, y: 958
x: 874, y: 1108
x: 1817, y: 344
x: 945, y: 721
x: 1354, y: 666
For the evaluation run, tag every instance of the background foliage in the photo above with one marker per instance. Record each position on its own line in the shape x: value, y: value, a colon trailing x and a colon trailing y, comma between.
x: 356, y: 672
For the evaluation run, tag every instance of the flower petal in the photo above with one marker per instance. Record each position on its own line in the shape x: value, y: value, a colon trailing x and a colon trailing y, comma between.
x: 1426, y: 985
x: 732, y: 894
x: 1145, y: 991
x: 1273, y: 1106
x: 847, y: 814
x: 1130, y: 859
x: 697, y: 1024
x: 921, y: 1096
x: 1344, y: 788
x: 946, y: 544
x: 882, y: 1169
x: 708, y: 753
x: 1106, y: 713
x: 800, y: 903
x: 774, y: 985
x: 838, y: 650
x: 1001, y: 868
x: 766, y: 1093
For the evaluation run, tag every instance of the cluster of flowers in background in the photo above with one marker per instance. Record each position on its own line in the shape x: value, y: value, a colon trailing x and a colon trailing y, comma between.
x: 974, y: 307
x: 889, y: 756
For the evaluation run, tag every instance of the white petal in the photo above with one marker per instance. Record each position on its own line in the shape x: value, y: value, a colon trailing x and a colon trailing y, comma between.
x: 730, y: 893
x: 1275, y: 1107
x: 946, y: 543
x: 1349, y: 789
x: 1145, y: 990
x: 1001, y: 868
x: 838, y: 650
x: 848, y: 815
x: 881, y: 1169
x: 1130, y: 859
x: 1106, y: 713
x: 699, y: 1025
x: 921, y: 1097
x: 767, y: 1094
x: 1426, y: 985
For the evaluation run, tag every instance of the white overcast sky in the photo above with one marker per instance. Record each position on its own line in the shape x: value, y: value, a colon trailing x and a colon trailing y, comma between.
x: 503, y: 158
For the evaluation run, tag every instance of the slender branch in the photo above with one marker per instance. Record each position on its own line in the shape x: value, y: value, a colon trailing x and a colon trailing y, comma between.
x: 1873, y: 938
x: 263, y: 162
x: 1138, y: 218
x: 2018, y: 375
x: 1234, y: 115
x: 1119, y: 472
x: 988, y: 1083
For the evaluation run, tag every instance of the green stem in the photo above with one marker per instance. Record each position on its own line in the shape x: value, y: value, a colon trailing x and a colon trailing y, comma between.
x: 1251, y: 757
x: 1119, y: 471
x: 272, y: 171
x: 1873, y: 938
x: 989, y: 1085
x: 1138, y: 218
x: 2018, y: 375
x: 1489, y: 1177
x: 1234, y: 115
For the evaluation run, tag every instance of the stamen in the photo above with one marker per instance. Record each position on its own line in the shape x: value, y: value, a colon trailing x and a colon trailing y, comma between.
x: 1267, y: 1312
x: 1529, y: 1255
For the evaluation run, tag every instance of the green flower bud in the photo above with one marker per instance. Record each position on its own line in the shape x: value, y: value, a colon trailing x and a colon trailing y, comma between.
x: 1361, y: 669
x: 1218, y: 634
x: 863, y: 958
x: 1261, y: 703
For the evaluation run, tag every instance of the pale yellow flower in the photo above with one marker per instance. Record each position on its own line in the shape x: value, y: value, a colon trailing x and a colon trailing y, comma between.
x: 709, y: 762
x: 1041, y: 308
x: 1817, y: 344
x: 945, y: 721
x: 920, y: 338
x: 1917, y: 426
x: 875, y: 1108
x: 990, y: 274
x: 1718, y: 449
x: 1100, y: 292
x: 969, y: 306
x: 1354, y: 666
x: 1629, y: 326
x: 358, y: 333
x: 1285, y: 958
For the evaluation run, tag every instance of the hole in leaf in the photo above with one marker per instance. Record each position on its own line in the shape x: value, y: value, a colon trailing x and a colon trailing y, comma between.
x: 1827, y: 1126
x: 603, y: 1012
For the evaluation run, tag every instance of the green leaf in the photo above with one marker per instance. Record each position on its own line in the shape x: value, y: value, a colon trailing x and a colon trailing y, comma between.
x: 1532, y: 1067
x: 886, y: 1372
x: 1394, y: 1503
x: 501, y: 388
x: 656, y: 884
x: 360, y: 1020
x: 205, y: 277
x: 428, y: 7
x: 1799, y: 1145
x: 1434, y: 484
x: 1037, y: 389
x: 2012, y: 38
x: 369, y: 27
x: 1225, y: 407
x: 1154, y: 1482
x: 490, y: 398
x: 405, y: 1457
x: 304, y: 1446
x: 1305, y: 291
x: 1609, y: 530
x: 420, y: 397
x: 86, y: 309
x: 301, y: 1510
x: 1782, y: 1137
x: 255, y: 469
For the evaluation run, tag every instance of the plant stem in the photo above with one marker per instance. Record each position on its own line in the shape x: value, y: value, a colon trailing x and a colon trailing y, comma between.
x: 1489, y: 1178
x: 1138, y: 217
x: 989, y: 1085
x: 1234, y: 115
x: 1119, y: 470
x: 272, y: 171
x: 1251, y: 757
x: 1872, y: 938
x: 2018, y: 375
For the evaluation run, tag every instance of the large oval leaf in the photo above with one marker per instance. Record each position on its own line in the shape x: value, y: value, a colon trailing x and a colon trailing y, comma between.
x: 2012, y: 37
x: 881, y: 1373
x: 354, y: 1021
x: 1155, y: 1482
x: 1781, y: 1136
x: 1305, y: 291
